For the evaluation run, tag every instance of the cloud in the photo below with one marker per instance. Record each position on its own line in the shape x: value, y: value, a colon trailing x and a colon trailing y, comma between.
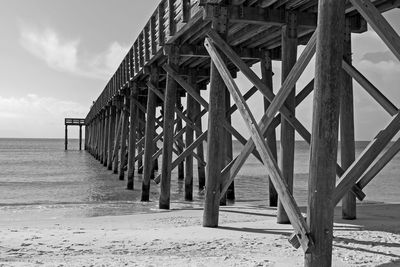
x: 36, y: 116
x: 66, y: 55
x: 377, y: 57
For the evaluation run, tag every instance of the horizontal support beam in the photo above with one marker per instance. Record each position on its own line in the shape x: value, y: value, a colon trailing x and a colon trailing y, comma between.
x: 200, y: 51
x: 262, y: 16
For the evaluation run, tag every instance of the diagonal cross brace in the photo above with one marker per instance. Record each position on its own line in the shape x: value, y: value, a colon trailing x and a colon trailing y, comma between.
x: 370, y: 153
x: 269, y: 95
x: 287, y: 199
x: 374, y: 18
x: 190, y: 90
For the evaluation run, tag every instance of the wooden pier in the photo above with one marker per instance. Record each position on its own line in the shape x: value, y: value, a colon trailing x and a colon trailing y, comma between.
x: 189, y: 46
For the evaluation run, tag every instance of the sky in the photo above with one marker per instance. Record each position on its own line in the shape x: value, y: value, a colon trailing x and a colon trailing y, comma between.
x: 56, y: 57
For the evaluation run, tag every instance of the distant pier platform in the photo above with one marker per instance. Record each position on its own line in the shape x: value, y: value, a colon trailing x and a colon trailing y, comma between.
x: 73, y: 122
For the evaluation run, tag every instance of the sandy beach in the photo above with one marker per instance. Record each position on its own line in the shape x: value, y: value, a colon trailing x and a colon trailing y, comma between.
x: 247, y: 236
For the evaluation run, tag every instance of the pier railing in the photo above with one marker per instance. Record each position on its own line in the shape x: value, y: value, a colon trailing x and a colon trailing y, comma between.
x: 164, y: 26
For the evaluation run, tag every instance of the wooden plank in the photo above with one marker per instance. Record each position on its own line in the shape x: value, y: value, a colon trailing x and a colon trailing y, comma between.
x: 146, y: 40
x: 171, y: 20
x: 286, y: 197
x: 136, y: 56
x: 141, y: 50
x: 364, y: 160
x: 379, y: 24
x: 153, y: 36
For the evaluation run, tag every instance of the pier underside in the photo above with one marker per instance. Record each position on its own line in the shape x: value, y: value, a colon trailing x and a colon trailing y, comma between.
x: 189, y: 46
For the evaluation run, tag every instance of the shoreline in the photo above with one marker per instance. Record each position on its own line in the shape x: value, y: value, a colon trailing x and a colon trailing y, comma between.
x: 247, y: 236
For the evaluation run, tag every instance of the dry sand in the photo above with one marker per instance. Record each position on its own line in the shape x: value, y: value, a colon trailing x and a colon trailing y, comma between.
x: 247, y: 236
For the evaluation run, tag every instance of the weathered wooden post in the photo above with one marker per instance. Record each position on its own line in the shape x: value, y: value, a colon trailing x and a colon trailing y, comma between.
x: 99, y: 123
x: 96, y: 139
x: 111, y: 134
x: 66, y: 137
x: 190, y: 103
x: 86, y: 136
x: 324, y: 140
x: 141, y: 117
x: 124, y: 134
x: 181, y: 166
x: 200, y: 148
x: 101, y: 140
x: 230, y: 193
x: 286, y: 157
x: 132, y: 137
x: 169, y: 121
x: 216, y: 132
x: 347, y: 145
x: 149, y: 135
x: 105, y: 139
x: 80, y: 137
x: 117, y: 135
x: 266, y: 75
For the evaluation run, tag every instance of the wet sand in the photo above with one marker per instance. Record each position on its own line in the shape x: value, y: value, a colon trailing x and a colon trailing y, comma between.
x: 247, y: 236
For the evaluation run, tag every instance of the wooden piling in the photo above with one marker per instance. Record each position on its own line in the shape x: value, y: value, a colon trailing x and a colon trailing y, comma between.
x: 141, y: 117
x: 80, y: 137
x: 124, y: 135
x: 66, y: 137
x: 132, y: 137
x: 181, y: 166
x: 101, y: 139
x: 215, y: 131
x: 223, y: 145
x: 329, y: 52
x: 347, y: 144
x: 230, y: 193
x: 266, y: 74
x: 105, y: 138
x: 190, y: 105
x: 286, y: 157
x: 201, y: 171
x: 149, y: 134
x: 169, y: 121
x: 117, y: 136
x: 111, y: 134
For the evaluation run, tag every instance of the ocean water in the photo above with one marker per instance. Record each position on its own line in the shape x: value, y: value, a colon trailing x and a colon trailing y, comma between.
x: 39, y: 179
